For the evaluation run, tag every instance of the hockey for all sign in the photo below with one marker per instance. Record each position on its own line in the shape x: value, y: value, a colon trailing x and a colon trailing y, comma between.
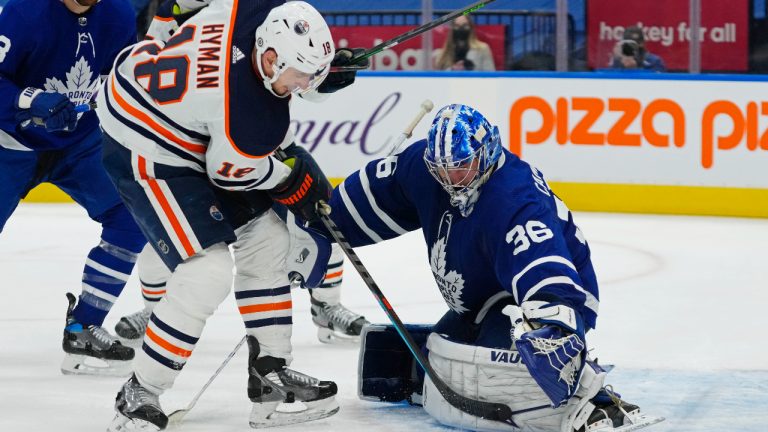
x: 667, y: 32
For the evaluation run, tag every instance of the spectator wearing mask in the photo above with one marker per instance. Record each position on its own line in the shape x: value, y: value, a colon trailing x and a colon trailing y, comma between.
x: 630, y: 53
x: 463, y: 50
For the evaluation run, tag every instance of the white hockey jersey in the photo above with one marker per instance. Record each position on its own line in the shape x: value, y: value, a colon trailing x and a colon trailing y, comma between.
x: 196, y: 101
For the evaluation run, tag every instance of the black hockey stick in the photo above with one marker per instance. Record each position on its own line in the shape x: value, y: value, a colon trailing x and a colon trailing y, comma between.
x: 486, y: 410
x: 409, y: 35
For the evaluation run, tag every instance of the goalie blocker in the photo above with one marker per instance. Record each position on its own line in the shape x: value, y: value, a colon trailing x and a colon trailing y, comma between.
x: 387, y: 373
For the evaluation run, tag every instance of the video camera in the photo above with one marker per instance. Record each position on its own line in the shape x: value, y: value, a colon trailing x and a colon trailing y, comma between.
x: 630, y: 48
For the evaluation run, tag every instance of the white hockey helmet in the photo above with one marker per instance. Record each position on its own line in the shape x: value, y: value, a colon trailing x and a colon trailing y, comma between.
x: 302, y: 41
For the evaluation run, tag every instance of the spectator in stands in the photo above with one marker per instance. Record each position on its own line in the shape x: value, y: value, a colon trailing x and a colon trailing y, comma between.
x: 630, y: 53
x: 463, y: 50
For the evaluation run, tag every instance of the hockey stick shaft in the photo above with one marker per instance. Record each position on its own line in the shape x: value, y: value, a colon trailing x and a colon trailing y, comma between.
x: 90, y: 106
x: 410, y: 35
x: 425, y: 107
x: 177, y: 416
x: 482, y: 409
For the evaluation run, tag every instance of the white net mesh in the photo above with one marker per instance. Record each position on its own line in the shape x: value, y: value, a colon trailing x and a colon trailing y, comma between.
x: 564, y: 355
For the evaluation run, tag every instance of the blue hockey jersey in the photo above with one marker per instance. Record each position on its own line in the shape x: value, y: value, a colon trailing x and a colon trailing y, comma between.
x: 520, y: 237
x: 44, y: 45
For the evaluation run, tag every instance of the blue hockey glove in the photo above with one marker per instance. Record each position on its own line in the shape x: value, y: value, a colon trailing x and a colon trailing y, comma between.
x: 51, y: 110
x: 551, y: 345
x: 336, y: 81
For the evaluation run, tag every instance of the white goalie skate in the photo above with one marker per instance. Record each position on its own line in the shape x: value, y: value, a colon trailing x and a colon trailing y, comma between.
x: 336, y: 323
x: 92, y: 350
x: 282, y: 396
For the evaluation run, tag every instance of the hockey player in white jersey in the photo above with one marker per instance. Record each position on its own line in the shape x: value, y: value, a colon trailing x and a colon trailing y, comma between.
x: 185, y: 122
x: 334, y: 321
x: 514, y: 270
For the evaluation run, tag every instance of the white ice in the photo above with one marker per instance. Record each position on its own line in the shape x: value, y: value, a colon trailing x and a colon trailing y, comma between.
x: 683, y: 316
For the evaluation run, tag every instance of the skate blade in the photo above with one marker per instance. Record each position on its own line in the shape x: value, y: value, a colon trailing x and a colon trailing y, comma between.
x: 122, y: 423
x: 273, y: 414
x: 131, y: 343
x: 328, y: 336
x: 77, y: 364
x: 638, y: 421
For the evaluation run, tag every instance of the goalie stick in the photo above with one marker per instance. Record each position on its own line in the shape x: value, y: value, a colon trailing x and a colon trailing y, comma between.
x: 486, y: 410
x: 409, y: 35
x: 425, y: 107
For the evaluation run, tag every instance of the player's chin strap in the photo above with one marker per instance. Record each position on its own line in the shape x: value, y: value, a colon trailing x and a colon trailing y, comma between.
x: 276, y: 70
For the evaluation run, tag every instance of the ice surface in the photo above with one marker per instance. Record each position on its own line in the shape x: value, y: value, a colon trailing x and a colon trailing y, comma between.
x: 683, y: 313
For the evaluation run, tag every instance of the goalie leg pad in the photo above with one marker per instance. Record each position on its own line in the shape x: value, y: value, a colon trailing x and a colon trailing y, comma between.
x: 387, y: 370
x: 487, y: 374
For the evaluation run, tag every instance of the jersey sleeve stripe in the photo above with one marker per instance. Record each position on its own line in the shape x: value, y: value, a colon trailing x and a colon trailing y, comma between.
x: 350, y: 206
x: 156, y: 127
x: 591, y: 302
x: 534, y: 263
x: 136, y: 96
x: 196, y: 158
x: 379, y: 212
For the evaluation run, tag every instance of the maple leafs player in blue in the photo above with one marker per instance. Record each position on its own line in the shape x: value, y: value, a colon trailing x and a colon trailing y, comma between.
x: 52, y: 54
x: 511, y: 265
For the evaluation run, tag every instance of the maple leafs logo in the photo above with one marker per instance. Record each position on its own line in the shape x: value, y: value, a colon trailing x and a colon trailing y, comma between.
x: 79, y: 86
x: 451, y: 284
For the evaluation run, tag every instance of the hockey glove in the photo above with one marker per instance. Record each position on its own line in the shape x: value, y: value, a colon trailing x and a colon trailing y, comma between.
x: 51, y: 110
x: 551, y: 346
x: 305, y: 186
x: 336, y: 81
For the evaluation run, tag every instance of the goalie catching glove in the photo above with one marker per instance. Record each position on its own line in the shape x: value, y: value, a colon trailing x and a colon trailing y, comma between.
x: 550, y: 340
x: 305, y: 186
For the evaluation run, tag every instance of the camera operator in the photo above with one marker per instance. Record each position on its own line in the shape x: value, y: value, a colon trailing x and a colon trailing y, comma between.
x: 463, y: 50
x: 630, y: 53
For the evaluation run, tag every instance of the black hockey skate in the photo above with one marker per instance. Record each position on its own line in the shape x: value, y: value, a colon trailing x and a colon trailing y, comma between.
x: 336, y: 322
x: 611, y: 414
x: 92, y: 350
x: 282, y: 396
x: 130, y: 329
x: 138, y: 409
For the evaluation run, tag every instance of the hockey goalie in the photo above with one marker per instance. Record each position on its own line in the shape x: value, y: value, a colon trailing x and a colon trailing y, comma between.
x: 514, y: 270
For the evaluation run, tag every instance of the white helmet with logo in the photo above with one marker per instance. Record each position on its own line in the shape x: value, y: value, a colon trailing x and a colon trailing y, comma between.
x: 302, y: 40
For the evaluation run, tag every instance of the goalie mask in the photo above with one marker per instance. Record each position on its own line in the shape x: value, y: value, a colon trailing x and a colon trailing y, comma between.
x: 462, y: 151
x: 302, y: 41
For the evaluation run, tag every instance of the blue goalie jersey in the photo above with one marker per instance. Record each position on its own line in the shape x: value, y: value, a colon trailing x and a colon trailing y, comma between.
x: 519, y: 239
x: 44, y: 45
